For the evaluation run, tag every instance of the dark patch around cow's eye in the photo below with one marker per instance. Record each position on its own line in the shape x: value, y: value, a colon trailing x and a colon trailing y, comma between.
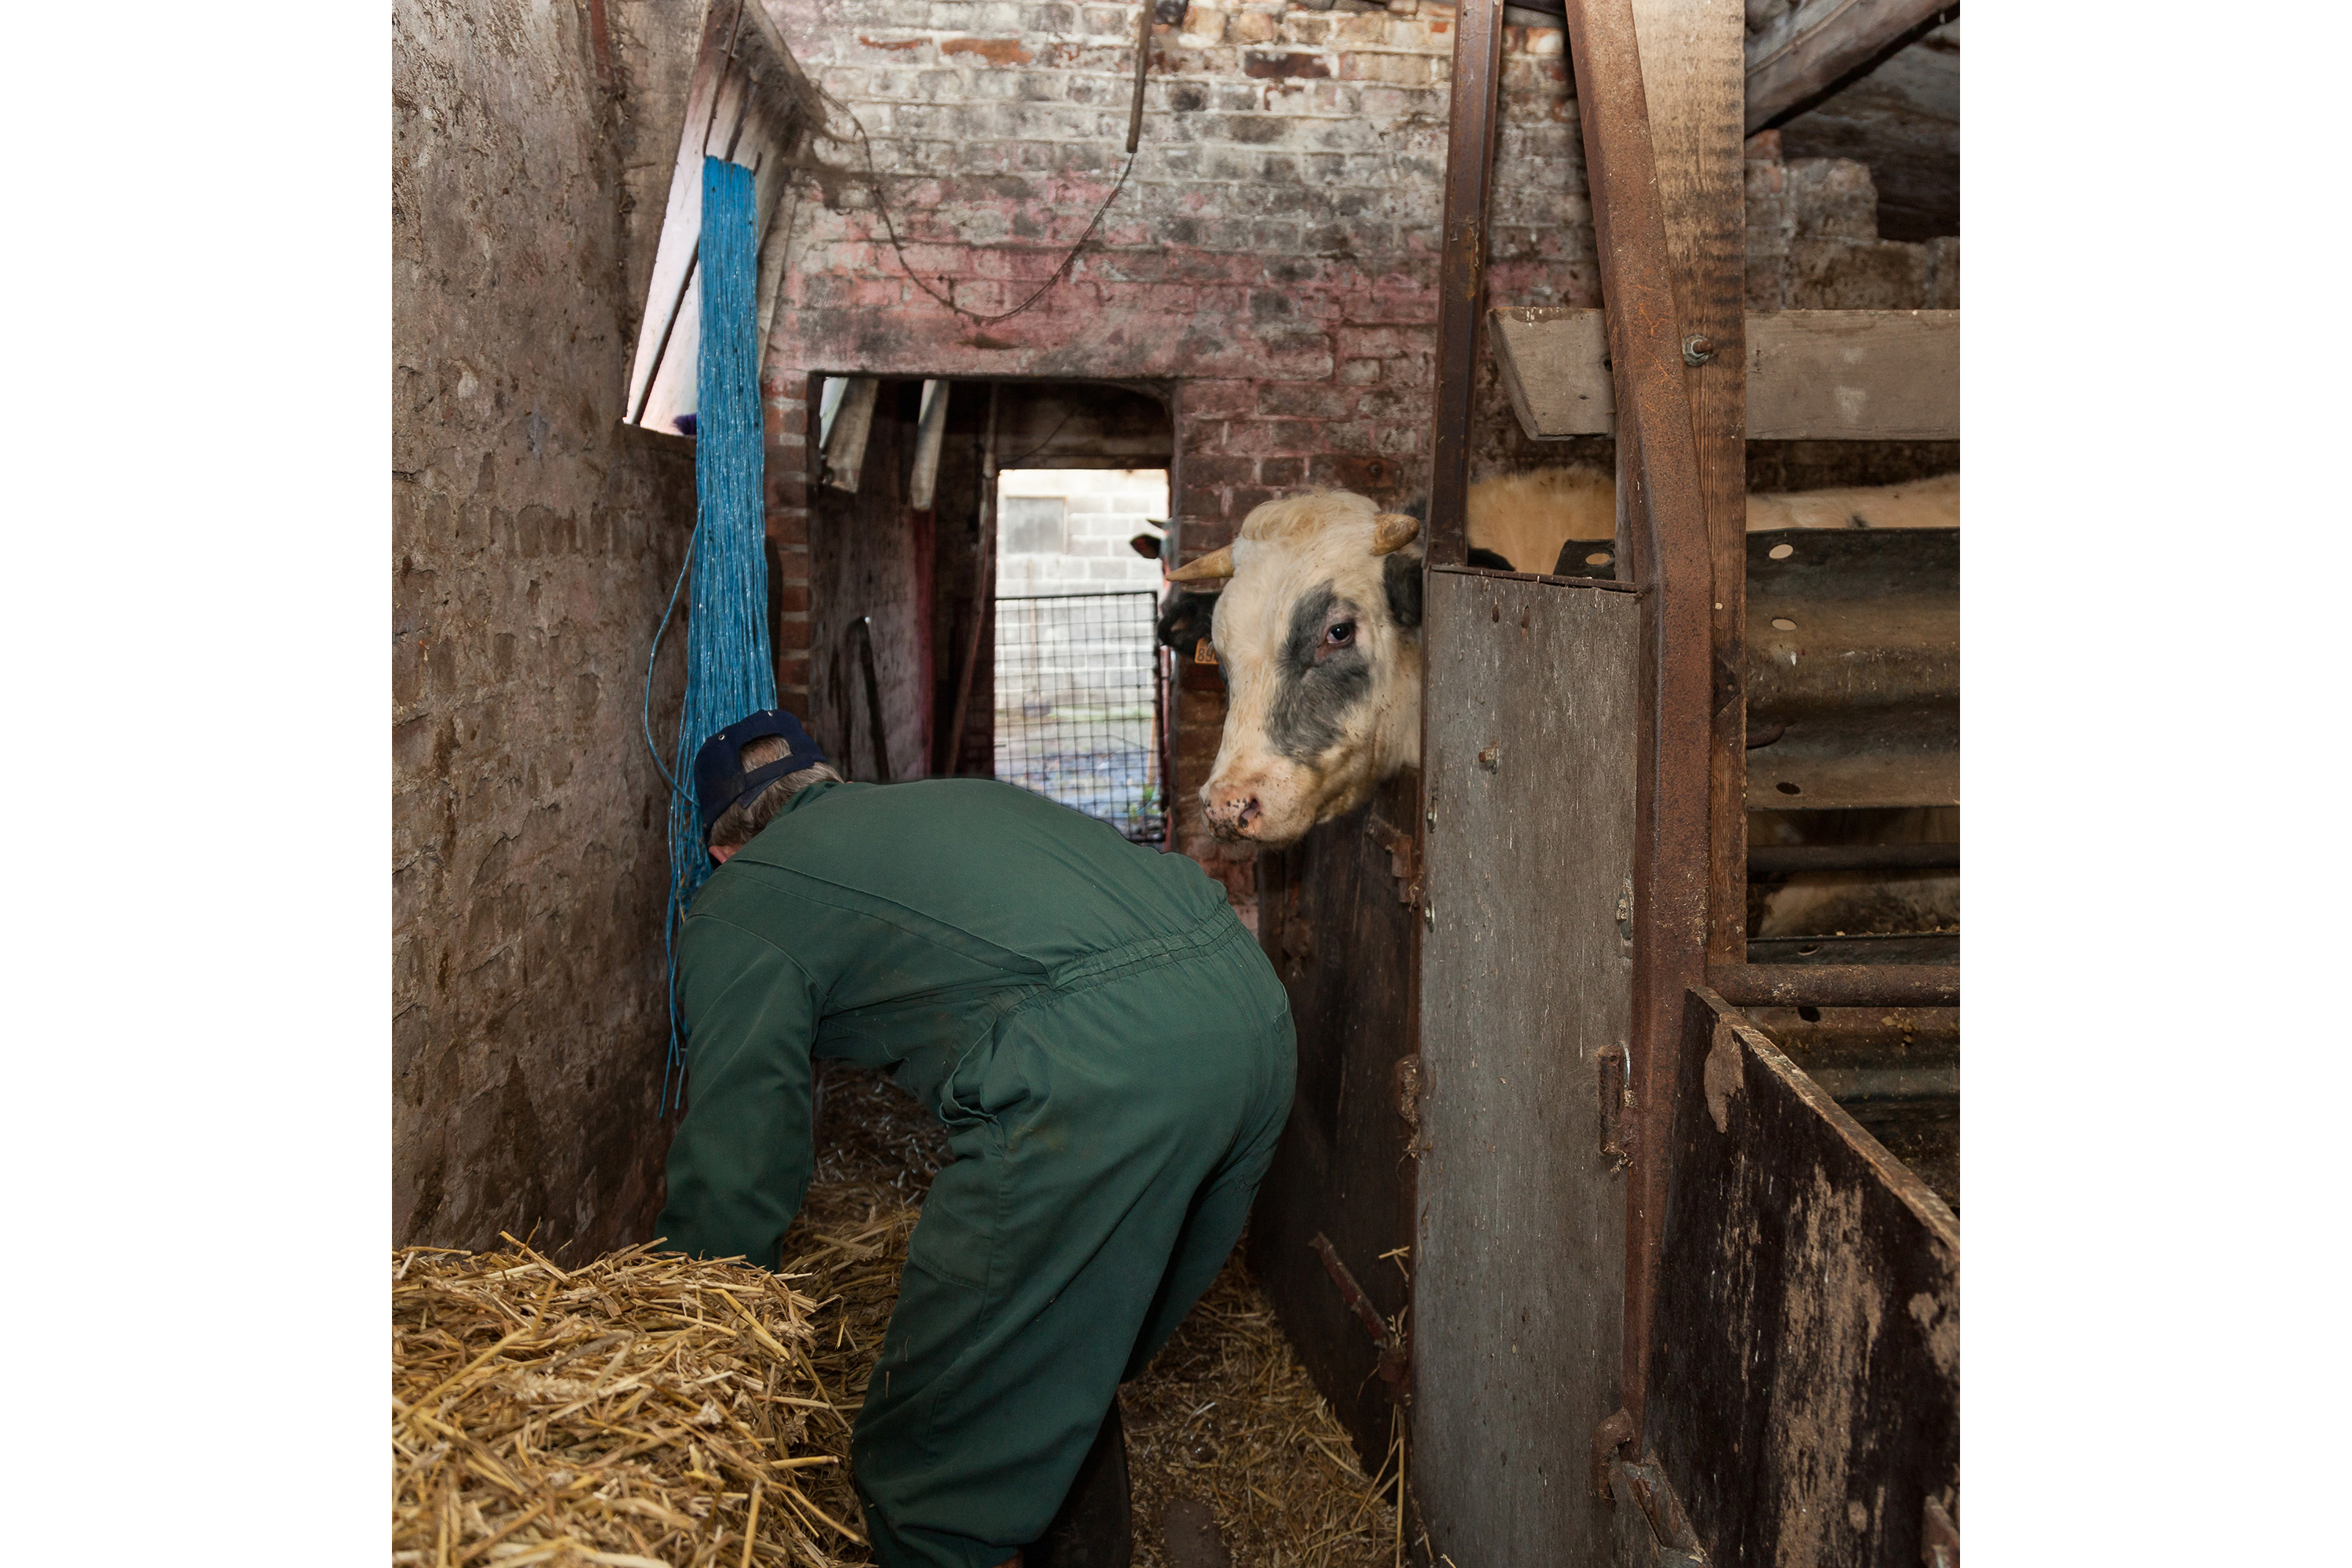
x: 1400, y: 577
x: 1316, y: 682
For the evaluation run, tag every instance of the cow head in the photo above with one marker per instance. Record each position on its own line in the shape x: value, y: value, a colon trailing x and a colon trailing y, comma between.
x: 1319, y: 637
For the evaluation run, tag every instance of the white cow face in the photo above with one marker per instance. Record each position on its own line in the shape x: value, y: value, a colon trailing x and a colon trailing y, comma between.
x: 1318, y: 635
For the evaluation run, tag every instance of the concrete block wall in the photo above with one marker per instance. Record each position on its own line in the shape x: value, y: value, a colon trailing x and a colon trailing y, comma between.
x: 1103, y: 508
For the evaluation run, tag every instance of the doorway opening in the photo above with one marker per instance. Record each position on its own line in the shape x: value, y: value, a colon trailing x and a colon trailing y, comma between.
x: 983, y: 575
x: 1081, y: 702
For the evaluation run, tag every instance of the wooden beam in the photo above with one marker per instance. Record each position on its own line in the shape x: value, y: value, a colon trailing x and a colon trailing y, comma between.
x: 1855, y: 376
x: 1814, y: 45
x: 1851, y: 375
x: 1694, y: 72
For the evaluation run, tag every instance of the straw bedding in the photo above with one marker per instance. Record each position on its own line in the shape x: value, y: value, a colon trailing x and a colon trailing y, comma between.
x: 644, y: 1409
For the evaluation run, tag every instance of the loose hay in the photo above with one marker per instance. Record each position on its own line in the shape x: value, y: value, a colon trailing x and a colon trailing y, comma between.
x: 646, y: 1409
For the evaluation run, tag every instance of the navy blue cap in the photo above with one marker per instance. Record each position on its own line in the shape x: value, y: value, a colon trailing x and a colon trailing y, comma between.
x: 720, y: 779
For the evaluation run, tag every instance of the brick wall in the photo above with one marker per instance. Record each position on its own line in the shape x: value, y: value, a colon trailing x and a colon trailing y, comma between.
x: 1274, y: 252
x: 1272, y: 256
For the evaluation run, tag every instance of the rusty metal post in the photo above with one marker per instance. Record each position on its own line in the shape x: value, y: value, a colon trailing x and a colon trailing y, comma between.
x: 1667, y: 553
x: 1837, y: 984
x: 1461, y: 269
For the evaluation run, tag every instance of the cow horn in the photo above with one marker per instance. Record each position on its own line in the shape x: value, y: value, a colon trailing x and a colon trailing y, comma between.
x: 1392, y: 531
x: 1215, y: 565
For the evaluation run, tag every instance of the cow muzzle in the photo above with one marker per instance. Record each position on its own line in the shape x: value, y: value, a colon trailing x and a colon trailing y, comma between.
x: 1232, y: 814
x: 1271, y: 808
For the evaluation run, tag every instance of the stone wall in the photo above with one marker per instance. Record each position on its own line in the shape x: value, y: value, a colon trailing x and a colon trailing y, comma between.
x: 533, y: 547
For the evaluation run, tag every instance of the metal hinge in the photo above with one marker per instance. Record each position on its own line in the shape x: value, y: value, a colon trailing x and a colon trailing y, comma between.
x: 1404, y: 855
x: 1654, y: 1532
x: 1393, y: 1363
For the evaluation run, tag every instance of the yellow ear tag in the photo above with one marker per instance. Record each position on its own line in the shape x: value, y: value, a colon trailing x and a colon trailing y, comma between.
x: 1203, y: 653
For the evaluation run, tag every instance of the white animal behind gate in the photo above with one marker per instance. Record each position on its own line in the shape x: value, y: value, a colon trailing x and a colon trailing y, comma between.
x: 1317, y: 632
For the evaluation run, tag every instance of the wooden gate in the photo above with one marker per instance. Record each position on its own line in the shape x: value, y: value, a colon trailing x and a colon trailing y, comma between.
x: 1526, y: 990
x: 1337, y: 915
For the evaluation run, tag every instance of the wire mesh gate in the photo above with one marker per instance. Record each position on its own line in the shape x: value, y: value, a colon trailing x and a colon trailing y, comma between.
x: 1079, y: 701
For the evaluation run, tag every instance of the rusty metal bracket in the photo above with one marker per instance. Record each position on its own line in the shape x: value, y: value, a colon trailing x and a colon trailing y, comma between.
x: 1393, y: 1363
x: 1673, y: 1543
x: 1616, y: 1106
x: 1614, y: 1432
x: 1404, y: 855
x: 1939, y: 1537
x: 1412, y: 1089
x: 1836, y: 985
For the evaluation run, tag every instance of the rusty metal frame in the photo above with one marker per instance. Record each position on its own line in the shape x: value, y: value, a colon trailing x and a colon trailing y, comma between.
x: 1836, y: 985
x: 1663, y: 538
x: 1472, y: 115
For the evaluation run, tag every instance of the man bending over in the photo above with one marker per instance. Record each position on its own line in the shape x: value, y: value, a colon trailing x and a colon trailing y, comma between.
x: 1112, y: 1056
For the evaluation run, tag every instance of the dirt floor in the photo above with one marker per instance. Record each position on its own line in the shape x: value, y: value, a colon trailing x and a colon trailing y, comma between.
x: 1233, y: 1457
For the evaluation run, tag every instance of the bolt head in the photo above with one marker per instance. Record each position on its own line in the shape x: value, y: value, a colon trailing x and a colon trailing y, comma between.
x: 1697, y: 349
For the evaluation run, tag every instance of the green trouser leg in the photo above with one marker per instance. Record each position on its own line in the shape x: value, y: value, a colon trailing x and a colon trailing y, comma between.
x: 1108, y: 1141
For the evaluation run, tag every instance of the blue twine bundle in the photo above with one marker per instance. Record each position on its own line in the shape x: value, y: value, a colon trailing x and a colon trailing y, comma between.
x: 729, y: 669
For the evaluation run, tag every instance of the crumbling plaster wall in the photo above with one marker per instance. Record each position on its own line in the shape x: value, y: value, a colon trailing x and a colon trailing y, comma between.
x: 533, y: 548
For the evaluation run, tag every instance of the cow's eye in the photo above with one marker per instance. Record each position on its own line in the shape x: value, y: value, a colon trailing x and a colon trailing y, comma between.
x: 1341, y: 633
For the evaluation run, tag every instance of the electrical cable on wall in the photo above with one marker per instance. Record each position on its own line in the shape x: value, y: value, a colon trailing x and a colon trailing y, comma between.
x: 1070, y: 258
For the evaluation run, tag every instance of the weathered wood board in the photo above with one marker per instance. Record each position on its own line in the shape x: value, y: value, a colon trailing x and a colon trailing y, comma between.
x: 1811, y: 46
x: 1555, y: 364
x: 1518, y: 1262
x: 1348, y: 949
x: 1849, y: 375
x: 728, y: 116
x: 1805, y: 1374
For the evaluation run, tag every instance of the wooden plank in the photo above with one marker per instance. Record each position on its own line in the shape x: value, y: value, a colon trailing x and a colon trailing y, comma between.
x: 1807, y: 1379
x: 1810, y: 375
x: 682, y: 229
x: 726, y: 116
x: 1695, y: 73
x: 1814, y: 45
x: 1555, y: 365
x: 844, y: 451
x: 1348, y: 949
x: 930, y: 431
x: 1526, y: 998
x: 1855, y: 376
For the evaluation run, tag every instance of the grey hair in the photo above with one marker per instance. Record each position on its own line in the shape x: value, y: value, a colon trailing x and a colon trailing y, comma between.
x: 740, y: 823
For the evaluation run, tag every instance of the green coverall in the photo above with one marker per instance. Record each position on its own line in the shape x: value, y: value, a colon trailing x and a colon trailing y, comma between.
x: 1112, y: 1056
